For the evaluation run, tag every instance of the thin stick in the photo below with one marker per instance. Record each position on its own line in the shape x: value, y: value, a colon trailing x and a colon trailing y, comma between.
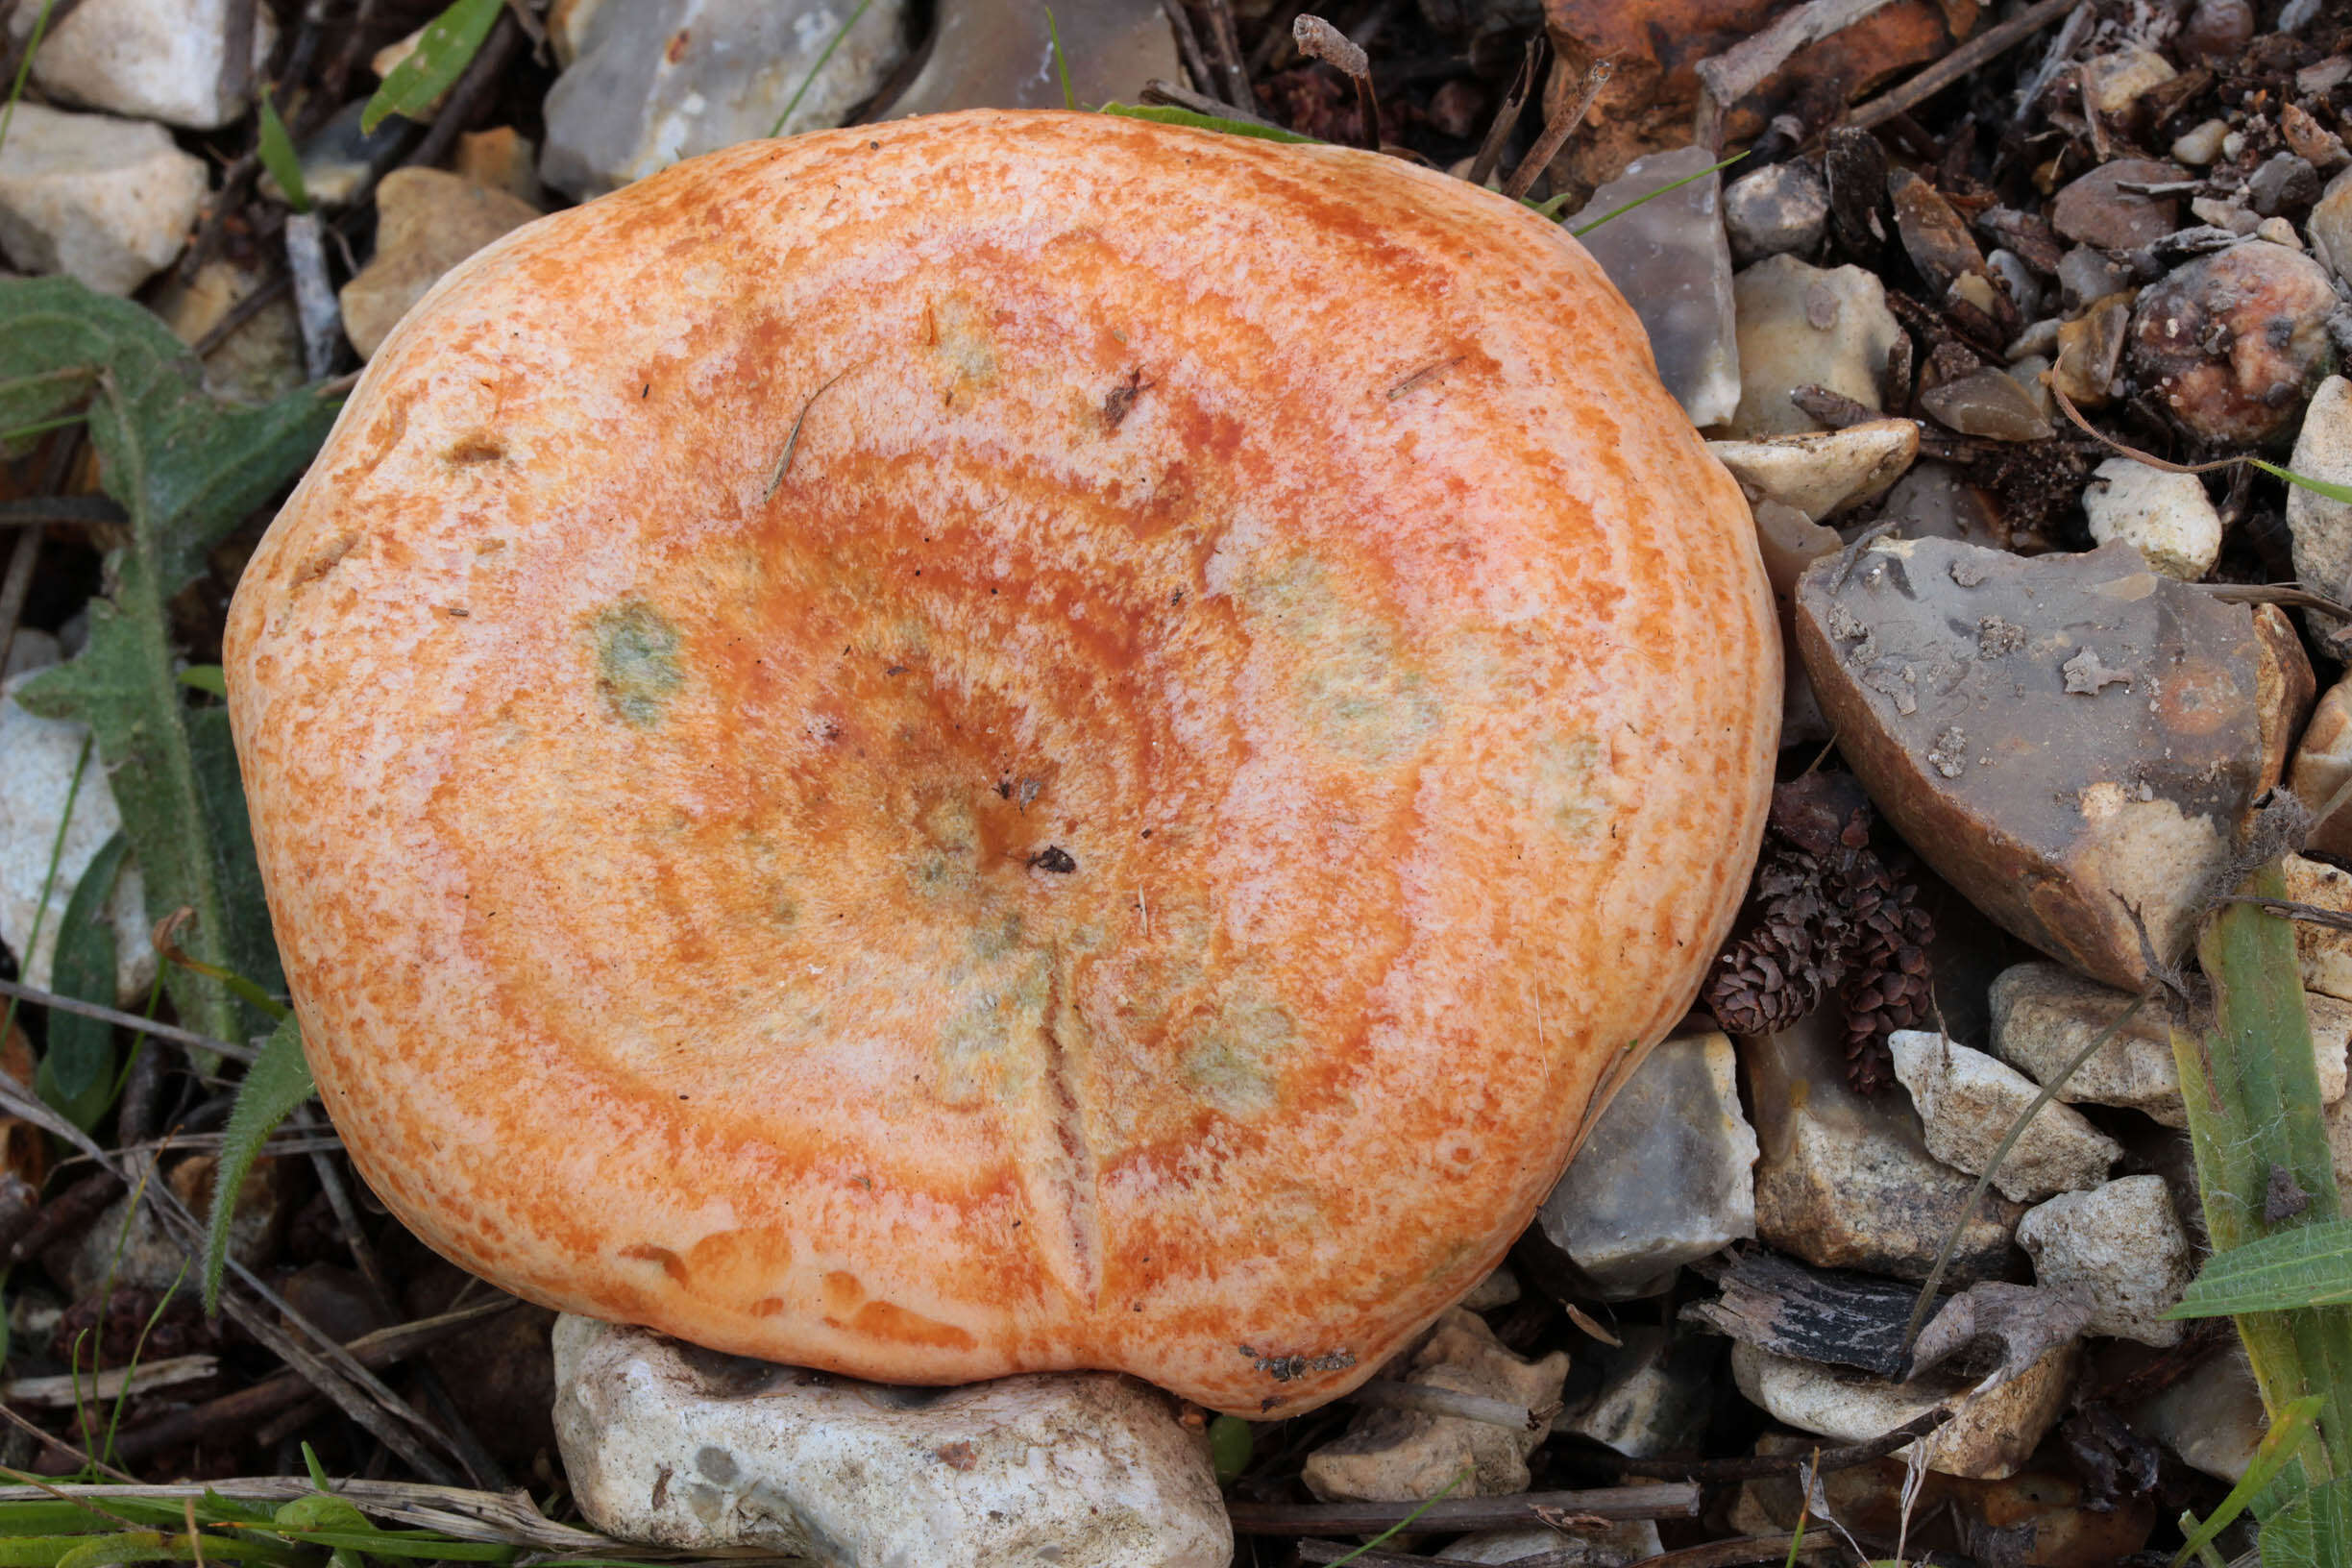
x: 1986, y: 45
x: 1724, y: 78
x: 1188, y: 47
x: 1226, y: 40
x: 178, y: 1036
x: 275, y: 1393
x: 17, y: 585
x: 1737, y: 1554
x: 68, y: 510
x: 1506, y: 118
x: 1555, y: 132
x: 1674, y: 1499
x: 1388, y: 1394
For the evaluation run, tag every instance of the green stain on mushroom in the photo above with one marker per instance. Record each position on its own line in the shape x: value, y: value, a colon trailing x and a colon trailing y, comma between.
x: 636, y: 658
x: 1232, y: 1059
x: 1358, y: 687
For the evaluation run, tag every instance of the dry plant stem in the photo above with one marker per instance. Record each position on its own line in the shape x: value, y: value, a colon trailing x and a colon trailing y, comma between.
x: 1158, y: 92
x: 2294, y: 595
x: 1746, y: 1550
x: 481, y: 1468
x: 1506, y: 118
x: 2016, y: 1128
x: 317, y: 312
x: 127, y: 1020
x: 1557, y: 132
x: 2078, y: 25
x: 1188, y: 47
x: 1724, y: 78
x: 17, y: 584
x: 1389, y: 1394
x: 51, y: 1440
x: 1319, y: 39
x: 1673, y: 1500
x: 234, y: 1414
x: 20, y: 514
x: 65, y: 1389
x: 1334, y: 1552
x: 356, y: 1391
x: 1226, y: 41
x: 245, y: 309
x: 1987, y: 46
x: 65, y: 1215
x: 1767, y: 1466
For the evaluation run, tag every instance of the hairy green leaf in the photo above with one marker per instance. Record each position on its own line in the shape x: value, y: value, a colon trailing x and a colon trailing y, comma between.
x: 2314, y: 1530
x: 2308, y: 1266
x: 279, y: 157
x: 1163, y: 114
x: 185, y: 469
x: 278, y: 1081
x: 2257, y: 1123
x: 81, y: 1057
x: 451, y: 41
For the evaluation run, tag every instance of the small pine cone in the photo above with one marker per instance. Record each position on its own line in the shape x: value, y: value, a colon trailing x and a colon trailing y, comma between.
x: 1787, y: 959
x: 1891, y: 982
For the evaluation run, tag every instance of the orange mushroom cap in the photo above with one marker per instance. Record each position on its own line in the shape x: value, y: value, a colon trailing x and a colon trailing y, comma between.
x: 1007, y: 742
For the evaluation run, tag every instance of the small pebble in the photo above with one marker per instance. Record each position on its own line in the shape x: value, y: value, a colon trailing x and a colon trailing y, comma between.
x: 2110, y: 83
x: 2018, y: 281
x: 1778, y: 209
x: 1968, y: 1101
x: 2232, y: 344
x: 1987, y: 403
x: 2121, y: 1244
x: 2284, y: 183
x: 2217, y: 32
x: 2166, y: 517
x: 2085, y: 275
x: 2331, y: 225
x: 2200, y: 146
x: 1806, y: 326
x: 2093, y: 210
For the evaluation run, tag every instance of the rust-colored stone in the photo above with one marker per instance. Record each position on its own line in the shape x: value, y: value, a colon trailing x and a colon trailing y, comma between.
x: 1655, y: 47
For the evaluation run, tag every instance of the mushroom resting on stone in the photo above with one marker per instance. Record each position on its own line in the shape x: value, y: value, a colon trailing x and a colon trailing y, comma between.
x: 1006, y: 741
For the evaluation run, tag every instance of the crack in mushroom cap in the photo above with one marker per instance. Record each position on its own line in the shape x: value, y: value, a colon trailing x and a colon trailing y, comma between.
x: 1007, y: 742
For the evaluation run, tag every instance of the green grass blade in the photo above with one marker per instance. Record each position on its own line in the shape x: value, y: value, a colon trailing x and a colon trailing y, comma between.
x: 1398, y: 1529
x: 2308, y: 1266
x: 1584, y: 229
x: 279, y: 157
x: 1164, y: 114
x: 278, y: 1080
x: 2322, y: 487
x: 1053, y: 35
x: 2278, y: 1446
x: 24, y: 67
x: 204, y: 678
x: 815, y: 71
x: 451, y: 41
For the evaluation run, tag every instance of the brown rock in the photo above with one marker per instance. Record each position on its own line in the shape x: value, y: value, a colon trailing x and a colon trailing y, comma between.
x: 1845, y: 1181
x: 2322, y: 763
x: 2326, y: 953
x: 2094, y: 211
x: 1390, y: 1454
x: 2285, y: 688
x: 2091, y: 352
x: 502, y: 159
x: 430, y: 220
x: 2065, y: 739
x: 1657, y: 46
x: 1934, y: 236
x: 2232, y: 344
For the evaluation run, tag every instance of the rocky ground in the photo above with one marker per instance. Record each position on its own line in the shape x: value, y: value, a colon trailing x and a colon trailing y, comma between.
x: 1982, y: 320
